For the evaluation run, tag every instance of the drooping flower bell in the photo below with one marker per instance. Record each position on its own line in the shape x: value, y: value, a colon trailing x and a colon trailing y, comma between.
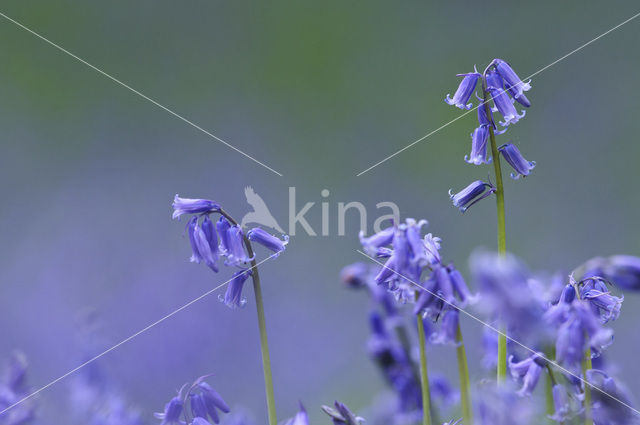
x: 172, y: 412
x: 594, y: 290
x: 233, y: 296
x: 466, y: 88
x: 479, y: 139
x: 529, y: 371
x: 511, y: 80
x: 512, y: 155
x: 341, y: 415
x: 473, y: 193
x: 193, y: 206
x: 267, y: 240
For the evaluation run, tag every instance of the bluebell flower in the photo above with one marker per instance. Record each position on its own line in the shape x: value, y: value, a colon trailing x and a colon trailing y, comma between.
x: 213, y: 400
x: 511, y: 80
x: 193, y: 206
x: 235, y: 251
x: 504, y: 292
x: 172, y: 412
x: 479, y: 139
x: 474, y: 192
x: 355, y: 275
x: 13, y: 389
x: 448, y: 329
x: 513, y: 156
x: 341, y: 415
x: 490, y: 348
x: 578, y: 326
x: 267, y: 240
x: 203, y: 246
x: 465, y: 90
x: 606, y: 409
x: 529, y: 371
x: 501, y: 405
x: 223, y: 227
x: 233, y: 296
x: 594, y: 290
x: 503, y: 103
x: 441, y: 389
x: 200, y: 411
x: 380, y: 239
x: 301, y: 418
x: 561, y: 404
x: 621, y: 270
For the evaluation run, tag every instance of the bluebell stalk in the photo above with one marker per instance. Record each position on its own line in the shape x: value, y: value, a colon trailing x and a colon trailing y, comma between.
x: 236, y: 247
x: 512, y: 155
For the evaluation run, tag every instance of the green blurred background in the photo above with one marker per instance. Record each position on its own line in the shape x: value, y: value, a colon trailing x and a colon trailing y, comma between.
x: 318, y: 91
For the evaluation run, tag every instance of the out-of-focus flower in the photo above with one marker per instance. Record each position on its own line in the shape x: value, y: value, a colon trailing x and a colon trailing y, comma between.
x: 267, y: 240
x: 473, y: 193
x: 193, y: 206
x: 341, y: 415
x: 448, y: 329
x: 204, y: 403
x: 504, y: 292
x: 561, y: 404
x: 355, y: 275
x: 13, y: 389
x: 465, y: 90
x: 621, y: 270
x: 172, y: 412
x: 301, y: 418
x: 528, y: 370
x: 501, y: 405
x: 514, y: 158
x: 606, y: 408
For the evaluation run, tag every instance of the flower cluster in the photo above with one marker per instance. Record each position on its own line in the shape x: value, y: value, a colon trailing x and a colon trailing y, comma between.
x: 197, y: 403
x: 501, y: 88
x: 234, y: 245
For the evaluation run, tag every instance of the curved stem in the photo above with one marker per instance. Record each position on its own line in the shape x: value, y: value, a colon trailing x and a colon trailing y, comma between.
x: 463, y: 372
x: 264, y: 343
x: 502, y: 233
x: 424, y: 376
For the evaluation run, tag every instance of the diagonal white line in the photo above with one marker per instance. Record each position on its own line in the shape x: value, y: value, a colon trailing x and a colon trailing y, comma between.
x: 129, y: 338
x: 481, y: 104
x: 114, y: 79
x: 551, y: 362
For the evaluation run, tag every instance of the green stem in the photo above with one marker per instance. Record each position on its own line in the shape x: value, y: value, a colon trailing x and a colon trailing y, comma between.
x: 424, y: 376
x: 264, y: 343
x: 463, y: 373
x: 502, y: 233
x: 550, y: 383
x: 586, y: 365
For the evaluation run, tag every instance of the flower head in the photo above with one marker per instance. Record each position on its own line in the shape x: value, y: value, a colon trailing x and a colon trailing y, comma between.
x: 267, y: 240
x: 235, y: 253
x: 501, y: 100
x: 473, y: 193
x: 193, y: 206
x: 513, y: 156
x: 621, y: 270
x: 594, y: 290
x: 465, y: 90
x: 528, y: 370
x: 341, y: 415
x: 172, y: 412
